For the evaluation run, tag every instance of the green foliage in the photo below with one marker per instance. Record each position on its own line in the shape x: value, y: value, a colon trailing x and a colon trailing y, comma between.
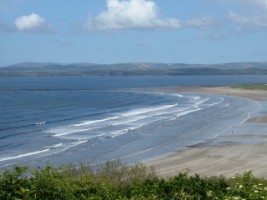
x: 247, y: 187
x: 252, y: 86
x: 113, y: 180
x: 14, y: 184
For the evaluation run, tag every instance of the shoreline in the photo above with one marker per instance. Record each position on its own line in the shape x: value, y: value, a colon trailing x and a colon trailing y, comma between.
x: 257, y: 95
x: 225, y: 159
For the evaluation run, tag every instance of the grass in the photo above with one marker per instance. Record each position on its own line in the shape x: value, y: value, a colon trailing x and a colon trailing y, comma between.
x: 114, y: 180
x: 252, y: 86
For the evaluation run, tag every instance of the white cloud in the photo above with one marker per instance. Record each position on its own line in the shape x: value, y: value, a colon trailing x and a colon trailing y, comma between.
x: 252, y: 17
x: 258, y: 2
x: 33, y: 24
x: 130, y: 14
x: 259, y: 21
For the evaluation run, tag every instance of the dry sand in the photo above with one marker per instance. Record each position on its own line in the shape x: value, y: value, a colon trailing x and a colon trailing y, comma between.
x: 224, y: 159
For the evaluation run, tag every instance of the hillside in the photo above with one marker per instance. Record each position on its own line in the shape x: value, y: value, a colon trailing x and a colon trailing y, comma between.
x: 132, y: 69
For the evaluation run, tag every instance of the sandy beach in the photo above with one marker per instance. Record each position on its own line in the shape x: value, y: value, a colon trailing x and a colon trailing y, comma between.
x: 225, y: 159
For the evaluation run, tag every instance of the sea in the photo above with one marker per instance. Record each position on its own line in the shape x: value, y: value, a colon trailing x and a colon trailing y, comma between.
x: 69, y: 120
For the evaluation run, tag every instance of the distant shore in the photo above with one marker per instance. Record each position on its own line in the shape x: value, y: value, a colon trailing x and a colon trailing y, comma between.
x: 225, y: 159
x: 258, y: 95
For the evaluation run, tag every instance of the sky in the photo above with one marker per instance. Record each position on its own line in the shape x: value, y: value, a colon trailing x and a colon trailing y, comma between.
x: 121, y: 31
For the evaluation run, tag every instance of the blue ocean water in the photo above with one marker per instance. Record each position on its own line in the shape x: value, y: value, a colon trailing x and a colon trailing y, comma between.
x: 61, y: 120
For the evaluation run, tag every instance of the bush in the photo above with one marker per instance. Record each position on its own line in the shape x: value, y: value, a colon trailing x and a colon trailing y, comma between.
x: 113, y: 180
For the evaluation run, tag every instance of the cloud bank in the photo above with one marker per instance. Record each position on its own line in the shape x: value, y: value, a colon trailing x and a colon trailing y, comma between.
x: 33, y: 24
x: 130, y: 14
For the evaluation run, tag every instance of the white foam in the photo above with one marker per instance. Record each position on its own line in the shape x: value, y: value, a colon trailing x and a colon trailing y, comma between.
x: 147, y: 110
x: 65, y: 147
x: 133, y: 119
x: 201, y: 102
x: 24, y: 155
x: 187, y: 112
x: 40, y: 123
x: 121, y: 119
x: 194, y: 97
x: 215, y: 103
x: 226, y: 105
x: 86, y: 137
x: 57, y: 145
x: 153, y: 114
x: 95, y: 121
x: 66, y: 131
x: 125, y: 121
x: 73, y: 144
x: 120, y: 132
x: 135, y: 126
x: 174, y: 110
x: 130, y: 120
x: 178, y: 95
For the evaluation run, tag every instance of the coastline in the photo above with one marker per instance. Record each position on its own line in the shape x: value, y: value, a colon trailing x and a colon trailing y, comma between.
x: 225, y: 158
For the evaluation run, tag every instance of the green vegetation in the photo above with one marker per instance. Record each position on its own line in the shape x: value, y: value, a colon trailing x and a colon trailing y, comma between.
x: 252, y: 86
x: 116, y: 181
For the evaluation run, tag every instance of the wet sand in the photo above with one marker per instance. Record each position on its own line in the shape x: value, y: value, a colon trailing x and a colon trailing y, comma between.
x: 225, y: 159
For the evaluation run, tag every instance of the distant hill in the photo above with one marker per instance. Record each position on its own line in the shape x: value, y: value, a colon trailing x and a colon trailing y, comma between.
x: 132, y: 69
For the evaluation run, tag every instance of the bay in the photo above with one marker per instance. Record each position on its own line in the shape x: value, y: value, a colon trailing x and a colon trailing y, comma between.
x: 60, y: 120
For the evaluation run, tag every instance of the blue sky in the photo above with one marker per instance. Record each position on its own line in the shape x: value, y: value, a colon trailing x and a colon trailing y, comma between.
x: 115, y: 31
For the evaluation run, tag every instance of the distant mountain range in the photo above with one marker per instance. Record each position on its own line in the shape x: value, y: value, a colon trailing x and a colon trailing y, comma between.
x: 132, y: 69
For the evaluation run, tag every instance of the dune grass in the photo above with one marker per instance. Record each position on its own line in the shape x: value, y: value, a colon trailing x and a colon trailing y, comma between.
x: 114, y: 180
x: 251, y: 86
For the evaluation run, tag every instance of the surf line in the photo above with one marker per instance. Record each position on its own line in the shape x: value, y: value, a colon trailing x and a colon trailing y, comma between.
x: 24, y: 155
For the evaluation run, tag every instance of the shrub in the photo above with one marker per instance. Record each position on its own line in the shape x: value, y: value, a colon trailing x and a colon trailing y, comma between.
x: 113, y: 180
